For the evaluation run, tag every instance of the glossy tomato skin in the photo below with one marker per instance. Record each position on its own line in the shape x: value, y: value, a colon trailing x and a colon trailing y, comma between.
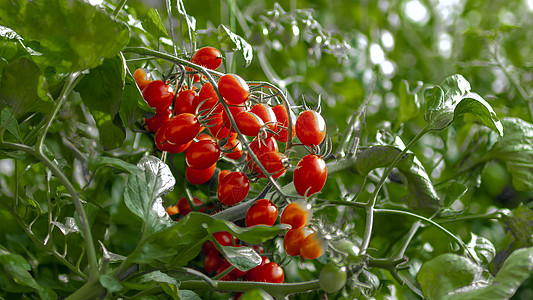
x: 296, y: 214
x: 269, y: 272
x: 200, y: 176
x: 164, y: 145
x: 283, y: 120
x: 292, y: 242
x: 157, y: 95
x: 313, y: 246
x: 235, y: 147
x: 262, y: 212
x: 233, y: 188
x: 202, y: 154
x: 233, y: 88
x: 234, y: 111
x: 252, y: 274
x: 186, y: 102
x: 208, y: 57
x: 172, y: 210
x: 141, y: 78
x: 273, y: 162
x: 208, y: 99
x: 332, y: 278
x: 182, y: 128
x: 248, y: 123
x: 220, y: 132
x: 185, y: 208
x: 158, y: 120
x: 310, y: 128
x: 310, y: 175
x: 266, y: 114
x: 212, y: 262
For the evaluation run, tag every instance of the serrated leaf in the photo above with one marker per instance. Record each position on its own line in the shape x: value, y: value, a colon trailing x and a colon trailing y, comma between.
x: 21, y: 275
x: 239, y: 44
x: 409, y: 105
x: 21, y: 89
x: 445, y: 273
x: 144, y: 190
x: 242, y: 258
x: 516, y: 269
x: 110, y: 283
x: 153, y: 24
x: 483, y: 249
x: 70, y: 35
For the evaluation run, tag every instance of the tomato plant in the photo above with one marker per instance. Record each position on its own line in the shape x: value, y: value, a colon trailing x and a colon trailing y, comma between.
x: 262, y: 212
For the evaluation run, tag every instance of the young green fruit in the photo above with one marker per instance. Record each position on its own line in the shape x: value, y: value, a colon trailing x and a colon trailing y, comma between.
x: 332, y: 278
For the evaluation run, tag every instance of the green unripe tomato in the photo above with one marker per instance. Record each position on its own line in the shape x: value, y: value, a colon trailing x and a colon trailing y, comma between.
x: 332, y: 278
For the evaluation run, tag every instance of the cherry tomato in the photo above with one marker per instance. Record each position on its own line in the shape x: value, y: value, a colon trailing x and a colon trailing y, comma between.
x: 296, y: 214
x: 313, y: 246
x: 248, y: 123
x: 292, y: 242
x: 262, y: 212
x: 200, y: 176
x: 224, y: 238
x: 182, y: 128
x: 310, y: 175
x: 233, y: 88
x: 223, y: 174
x: 160, y: 118
x: 185, y: 208
x: 234, y: 111
x: 157, y: 95
x: 233, y: 188
x: 235, y: 273
x: 164, y: 145
x: 273, y: 162
x: 258, y: 147
x: 208, y: 98
x: 186, y: 102
x: 266, y: 114
x: 221, y: 268
x: 172, y: 210
x: 202, y: 154
x: 141, y: 78
x: 283, y: 120
x: 310, y: 128
x: 220, y: 132
x: 269, y: 272
x: 252, y: 274
x: 208, y: 57
x: 332, y: 278
x: 212, y: 262
x: 235, y: 147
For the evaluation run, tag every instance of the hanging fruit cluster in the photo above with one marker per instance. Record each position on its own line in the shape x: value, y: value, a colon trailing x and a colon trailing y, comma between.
x: 210, y: 120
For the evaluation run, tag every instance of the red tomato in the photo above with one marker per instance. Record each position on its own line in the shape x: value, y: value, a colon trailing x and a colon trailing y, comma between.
x: 212, y: 262
x: 220, y: 132
x: 269, y: 272
x: 292, y: 242
x: 248, y: 123
x: 164, y: 145
x: 172, y: 210
x: 313, y: 246
x: 310, y: 128
x: 235, y: 147
x: 233, y: 88
x: 235, y: 273
x: 208, y: 57
x: 221, y: 268
x: 283, y: 120
x: 223, y: 174
x: 262, y: 212
x: 141, y: 78
x: 202, y: 154
x: 252, y: 274
x: 182, y: 128
x: 260, y: 146
x: 273, y: 162
x: 196, y: 176
x: 209, y: 98
x: 160, y: 118
x: 224, y: 238
x: 310, y: 175
x: 233, y: 188
x: 186, y: 102
x: 185, y: 208
x: 234, y: 111
x: 156, y: 94
x: 266, y: 114
x: 296, y: 214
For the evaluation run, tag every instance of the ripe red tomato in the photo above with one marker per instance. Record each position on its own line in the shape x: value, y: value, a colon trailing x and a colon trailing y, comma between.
x: 252, y: 274
x: 185, y: 208
x: 208, y: 57
x: 164, y: 145
x: 233, y: 88
x: 220, y: 132
x: 182, y: 128
x: 202, y: 154
x: 235, y: 147
x: 233, y: 188
x: 273, y: 162
x: 160, y: 118
x: 223, y: 174
x: 310, y: 128
x: 186, y: 102
x: 283, y: 121
x: 157, y: 95
x: 221, y: 268
x: 224, y: 238
x: 248, y: 123
x: 292, y: 242
x: 313, y: 246
x: 262, y: 212
x: 234, y: 111
x: 266, y: 114
x: 310, y: 175
x: 296, y: 214
x: 212, y: 262
x: 209, y: 98
x: 200, y: 176
x: 269, y: 272
x: 141, y: 78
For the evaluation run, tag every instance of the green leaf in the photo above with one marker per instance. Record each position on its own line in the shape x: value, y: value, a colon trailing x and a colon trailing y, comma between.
x: 453, y: 98
x: 515, y: 149
x: 158, y: 276
x: 21, y: 88
x: 11, y: 45
x: 95, y: 163
x: 21, y: 275
x: 144, y: 190
x: 46, y: 293
x: 242, y: 258
x: 379, y: 157
x: 238, y: 44
x: 482, y: 248
x: 70, y: 35
x: 110, y: 283
x: 153, y: 24
x: 519, y: 224
x: 256, y: 294
x: 13, y: 126
x: 454, y: 192
x: 409, y: 105
x: 445, y: 273
x: 132, y: 105
x: 188, y: 295
x: 516, y: 269
x: 9, y: 258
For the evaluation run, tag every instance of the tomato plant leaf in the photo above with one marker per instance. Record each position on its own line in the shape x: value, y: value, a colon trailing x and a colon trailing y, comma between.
x: 482, y: 248
x: 69, y: 35
x: 188, y: 295
x: 256, y: 294
x: 7, y: 257
x: 12, y: 127
x: 242, y: 258
x: 12, y: 46
x: 110, y: 283
x: 21, y: 89
x: 153, y: 24
x: 516, y: 269
x: 132, y: 105
x: 445, y: 273
x: 379, y: 157
x: 409, y: 105
x: 454, y: 192
x: 239, y: 44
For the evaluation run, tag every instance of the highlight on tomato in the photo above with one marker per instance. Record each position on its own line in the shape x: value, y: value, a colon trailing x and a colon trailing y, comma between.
x: 310, y: 128
x: 310, y: 175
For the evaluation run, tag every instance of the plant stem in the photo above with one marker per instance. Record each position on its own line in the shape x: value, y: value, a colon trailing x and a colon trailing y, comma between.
x: 119, y: 7
x: 373, y: 197
x: 90, y: 290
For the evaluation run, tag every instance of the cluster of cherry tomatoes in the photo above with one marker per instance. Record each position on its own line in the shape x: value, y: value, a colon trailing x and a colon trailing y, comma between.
x: 203, y: 121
